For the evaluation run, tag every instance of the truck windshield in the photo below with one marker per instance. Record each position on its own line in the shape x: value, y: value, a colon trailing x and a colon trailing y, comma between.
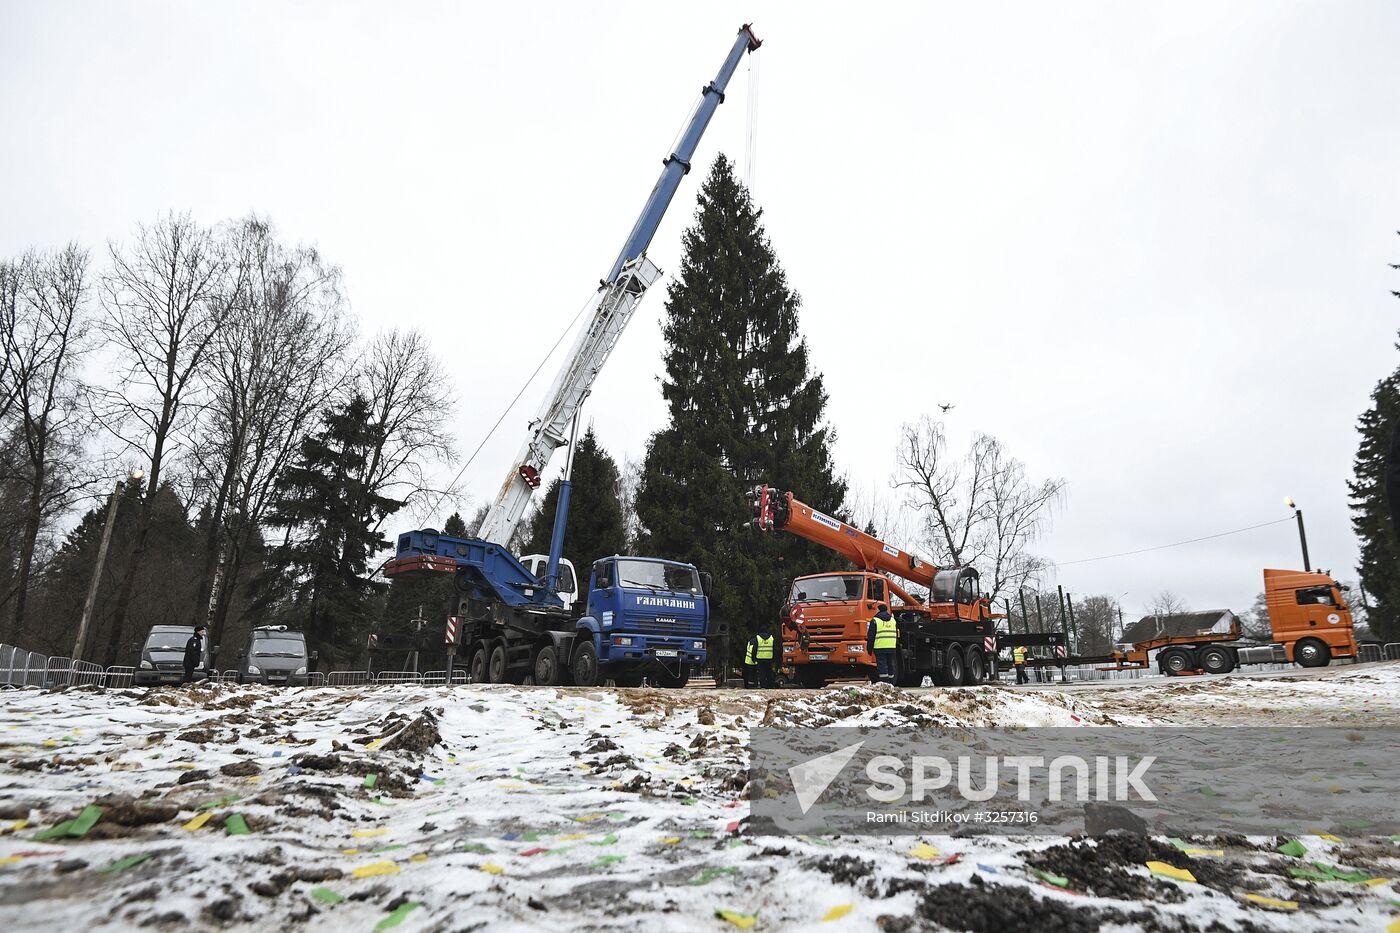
x: 167, y: 642
x: 657, y: 576
x: 844, y: 586
x: 279, y: 647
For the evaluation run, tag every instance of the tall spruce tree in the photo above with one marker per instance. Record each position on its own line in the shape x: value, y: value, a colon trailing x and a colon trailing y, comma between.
x: 321, y: 571
x: 1372, y: 512
x: 595, y: 527
x: 744, y: 409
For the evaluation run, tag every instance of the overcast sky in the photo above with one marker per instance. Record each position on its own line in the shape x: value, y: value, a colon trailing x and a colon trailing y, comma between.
x: 1143, y: 245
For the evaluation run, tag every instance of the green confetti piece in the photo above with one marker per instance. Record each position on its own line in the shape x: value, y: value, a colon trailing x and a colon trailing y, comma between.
x: 608, y: 859
x: 221, y: 802
x: 122, y: 864
x: 1209, y: 791
x: 1181, y: 844
x: 1294, y: 848
x: 607, y: 840
x: 703, y: 834
x: 382, y: 802
x: 710, y: 874
x: 1307, y: 874
x: 85, y: 821
x: 235, y: 825
x: 55, y: 831
x: 397, y: 917
x: 531, y: 837
x: 688, y: 802
x: 557, y: 851
x: 397, y: 845
x: 1059, y: 881
x: 476, y: 847
x: 327, y: 896
x: 371, y: 780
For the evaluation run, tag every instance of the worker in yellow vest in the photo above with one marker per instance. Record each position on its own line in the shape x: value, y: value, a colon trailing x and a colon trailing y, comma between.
x: 750, y: 665
x: 882, y: 638
x: 760, y: 649
x: 1018, y: 658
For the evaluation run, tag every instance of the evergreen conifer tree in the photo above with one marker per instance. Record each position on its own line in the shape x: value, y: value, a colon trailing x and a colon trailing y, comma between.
x: 595, y: 525
x: 322, y: 565
x: 1371, y: 512
x: 744, y: 409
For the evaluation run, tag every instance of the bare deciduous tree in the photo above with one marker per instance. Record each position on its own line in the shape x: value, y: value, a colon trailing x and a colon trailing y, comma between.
x: 164, y: 299
x: 409, y: 393
x: 43, y: 345
x: 275, y: 362
x: 979, y: 510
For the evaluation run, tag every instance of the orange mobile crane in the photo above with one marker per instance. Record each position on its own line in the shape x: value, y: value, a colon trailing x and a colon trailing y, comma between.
x: 950, y: 636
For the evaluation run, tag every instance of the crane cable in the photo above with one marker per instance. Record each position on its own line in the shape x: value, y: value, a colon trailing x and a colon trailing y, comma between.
x: 751, y: 132
x: 545, y: 359
x: 1159, y: 547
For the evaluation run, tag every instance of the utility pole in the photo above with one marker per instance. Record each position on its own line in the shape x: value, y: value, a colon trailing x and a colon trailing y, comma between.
x: 418, y: 624
x: 1121, y: 629
x: 1025, y: 619
x: 79, y: 644
x: 1073, y: 629
x: 1302, y: 535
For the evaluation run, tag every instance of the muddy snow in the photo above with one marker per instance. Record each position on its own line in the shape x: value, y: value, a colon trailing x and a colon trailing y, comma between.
x: 493, y: 807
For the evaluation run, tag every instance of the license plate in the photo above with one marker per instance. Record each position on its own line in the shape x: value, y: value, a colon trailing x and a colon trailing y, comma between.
x: 667, y: 652
x: 817, y: 657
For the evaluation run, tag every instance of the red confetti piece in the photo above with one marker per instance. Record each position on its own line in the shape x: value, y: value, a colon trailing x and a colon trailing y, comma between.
x: 535, y: 851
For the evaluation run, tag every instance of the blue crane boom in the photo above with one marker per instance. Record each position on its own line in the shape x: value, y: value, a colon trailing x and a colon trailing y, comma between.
x: 631, y: 275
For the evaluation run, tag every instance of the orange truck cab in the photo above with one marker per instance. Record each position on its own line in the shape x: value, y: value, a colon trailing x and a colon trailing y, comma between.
x: 1309, y: 617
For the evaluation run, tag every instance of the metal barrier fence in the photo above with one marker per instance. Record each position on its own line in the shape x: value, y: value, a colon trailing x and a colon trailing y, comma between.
x: 1366, y: 653
x: 66, y: 672
x: 398, y: 677
x: 20, y: 668
x: 1392, y: 651
x: 439, y: 678
x: 119, y: 676
x: 315, y: 679
x: 347, y: 678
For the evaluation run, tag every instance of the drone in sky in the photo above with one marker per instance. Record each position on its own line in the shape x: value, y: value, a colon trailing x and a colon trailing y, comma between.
x: 945, y: 408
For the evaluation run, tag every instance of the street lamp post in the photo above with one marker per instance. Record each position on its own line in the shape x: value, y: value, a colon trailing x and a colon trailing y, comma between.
x: 79, y: 643
x: 1302, y: 535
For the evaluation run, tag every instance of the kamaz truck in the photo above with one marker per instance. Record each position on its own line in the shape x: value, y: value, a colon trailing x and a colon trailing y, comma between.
x: 644, y: 616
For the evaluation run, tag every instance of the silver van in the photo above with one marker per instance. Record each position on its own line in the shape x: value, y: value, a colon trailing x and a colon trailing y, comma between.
x: 161, y: 659
x: 275, y: 655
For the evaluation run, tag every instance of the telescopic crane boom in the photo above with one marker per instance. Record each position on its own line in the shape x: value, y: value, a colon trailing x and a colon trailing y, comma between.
x: 618, y: 295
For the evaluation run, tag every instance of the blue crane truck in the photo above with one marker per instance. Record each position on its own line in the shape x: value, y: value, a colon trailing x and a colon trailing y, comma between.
x: 644, y: 616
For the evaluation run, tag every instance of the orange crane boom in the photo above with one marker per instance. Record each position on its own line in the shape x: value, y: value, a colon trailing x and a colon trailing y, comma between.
x: 782, y: 511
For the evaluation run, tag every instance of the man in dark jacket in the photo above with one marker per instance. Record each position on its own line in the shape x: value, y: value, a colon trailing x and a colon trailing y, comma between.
x: 762, y: 648
x: 194, y: 654
x: 881, y: 638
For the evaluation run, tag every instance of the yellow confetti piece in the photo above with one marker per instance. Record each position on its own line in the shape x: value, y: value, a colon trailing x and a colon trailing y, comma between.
x: 1334, y: 789
x: 742, y: 921
x: 1394, y: 926
x: 199, y: 820
x: 1207, y: 852
x: 369, y: 833
x: 185, y: 766
x: 837, y: 912
x: 9, y: 860
x: 349, y: 851
x: 50, y: 742
x: 1273, y: 902
x: 588, y: 818
x: 376, y: 868
x: 1170, y: 871
x: 374, y: 745
x: 17, y: 825
x: 572, y: 836
x: 420, y: 857
x: 671, y: 840
x: 1376, y: 882
x: 492, y: 869
x: 924, y: 851
x: 1329, y: 837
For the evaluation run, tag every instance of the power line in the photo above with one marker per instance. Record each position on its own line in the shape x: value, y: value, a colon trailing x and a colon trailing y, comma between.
x: 1159, y: 547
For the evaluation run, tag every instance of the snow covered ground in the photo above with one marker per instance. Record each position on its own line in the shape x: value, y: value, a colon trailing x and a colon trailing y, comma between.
x: 491, y: 807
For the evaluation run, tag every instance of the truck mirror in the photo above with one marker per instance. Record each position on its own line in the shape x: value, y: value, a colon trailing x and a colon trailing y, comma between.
x: 314, y: 656
x: 706, y: 581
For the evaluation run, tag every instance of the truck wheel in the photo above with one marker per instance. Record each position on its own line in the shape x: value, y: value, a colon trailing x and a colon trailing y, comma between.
x: 953, y: 668
x: 976, y: 667
x: 496, y: 667
x: 810, y: 678
x: 585, y: 665
x: 547, y: 667
x: 1217, y: 660
x: 478, y: 665
x: 1312, y: 653
x: 1175, y: 661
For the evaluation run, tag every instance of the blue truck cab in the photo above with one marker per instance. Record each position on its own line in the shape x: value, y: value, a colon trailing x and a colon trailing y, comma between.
x: 646, y: 617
